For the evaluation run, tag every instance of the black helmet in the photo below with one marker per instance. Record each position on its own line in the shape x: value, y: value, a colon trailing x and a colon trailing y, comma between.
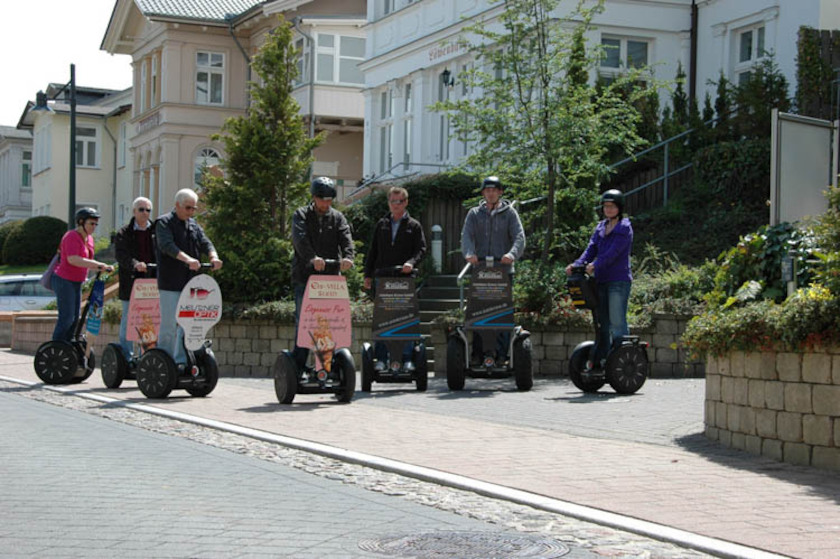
x: 323, y: 187
x: 614, y: 196
x: 86, y: 213
x: 492, y: 182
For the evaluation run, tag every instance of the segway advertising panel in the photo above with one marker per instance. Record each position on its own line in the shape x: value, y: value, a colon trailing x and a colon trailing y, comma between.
x: 489, y: 344
x: 144, y: 313
x: 142, y: 326
x: 490, y: 306
x: 325, y: 328
x: 396, y: 323
x: 199, y: 309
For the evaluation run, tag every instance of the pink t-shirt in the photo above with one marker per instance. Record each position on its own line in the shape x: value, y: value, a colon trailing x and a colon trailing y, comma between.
x: 73, y: 243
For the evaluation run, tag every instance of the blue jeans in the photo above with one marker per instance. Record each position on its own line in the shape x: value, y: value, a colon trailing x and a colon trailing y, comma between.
x: 171, y: 337
x: 68, y: 298
x: 127, y: 347
x: 612, y: 315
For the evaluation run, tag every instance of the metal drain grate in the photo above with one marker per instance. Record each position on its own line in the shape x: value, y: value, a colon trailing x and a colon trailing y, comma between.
x: 464, y: 545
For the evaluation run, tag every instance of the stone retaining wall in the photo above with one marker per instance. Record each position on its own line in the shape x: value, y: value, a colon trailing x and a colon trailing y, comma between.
x: 248, y: 348
x: 782, y: 405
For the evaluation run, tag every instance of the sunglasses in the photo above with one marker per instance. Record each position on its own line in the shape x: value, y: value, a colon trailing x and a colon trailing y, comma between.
x: 145, y: 210
x: 400, y: 201
x: 189, y: 208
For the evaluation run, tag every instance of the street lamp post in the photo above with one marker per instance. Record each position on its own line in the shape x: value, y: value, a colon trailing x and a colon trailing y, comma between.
x: 71, y: 210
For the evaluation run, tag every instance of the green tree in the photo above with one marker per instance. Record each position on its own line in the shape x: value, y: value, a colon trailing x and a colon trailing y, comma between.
x: 267, y: 157
x: 537, y: 123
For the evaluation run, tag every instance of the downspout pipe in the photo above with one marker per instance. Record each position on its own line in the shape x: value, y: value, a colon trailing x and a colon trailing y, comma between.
x: 296, y: 22
x: 105, y: 118
x: 247, y: 64
x: 692, y: 65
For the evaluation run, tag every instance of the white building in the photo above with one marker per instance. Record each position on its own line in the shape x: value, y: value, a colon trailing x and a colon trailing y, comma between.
x: 15, y: 174
x: 412, y: 43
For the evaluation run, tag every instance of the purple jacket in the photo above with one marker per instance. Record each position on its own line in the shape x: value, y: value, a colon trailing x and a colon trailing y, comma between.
x: 610, y: 253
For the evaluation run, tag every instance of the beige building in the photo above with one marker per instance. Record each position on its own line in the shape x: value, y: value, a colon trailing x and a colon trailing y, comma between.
x: 103, y: 173
x: 191, y: 64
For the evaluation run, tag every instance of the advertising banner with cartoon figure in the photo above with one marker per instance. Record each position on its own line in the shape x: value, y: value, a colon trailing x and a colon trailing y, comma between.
x: 325, y: 318
x: 199, y: 309
x: 144, y: 313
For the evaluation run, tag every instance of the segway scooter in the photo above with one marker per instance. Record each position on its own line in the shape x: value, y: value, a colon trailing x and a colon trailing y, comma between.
x: 488, y: 313
x: 61, y: 362
x: 626, y: 367
x: 143, y: 323
x: 199, y: 309
x: 396, y: 322
x: 325, y: 328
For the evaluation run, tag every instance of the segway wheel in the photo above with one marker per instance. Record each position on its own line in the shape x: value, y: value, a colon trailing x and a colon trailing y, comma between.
x: 208, y: 375
x: 343, y: 360
x: 577, y: 365
x: 157, y: 374
x: 367, y: 367
x: 456, y: 372
x: 114, y: 366
x: 91, y: 365
x: 421, y: 367
x: 285, y: 378
x: 56, y: 362
x: 522, y: 364
x: 627, y: 368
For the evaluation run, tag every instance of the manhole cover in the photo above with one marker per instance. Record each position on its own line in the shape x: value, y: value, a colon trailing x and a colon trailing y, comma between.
x: 464, y: 545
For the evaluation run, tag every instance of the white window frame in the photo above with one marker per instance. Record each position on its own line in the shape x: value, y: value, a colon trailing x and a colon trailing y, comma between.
x: 302, y: 45
x: 143, y: 81
x: 612, y: 72
x: 407, y: 121
x: 88, y: 146
x: 385, y: 126
x: 26, y: 169
x: 757, y: 50
x: 332, y: 55
x: 211, y: 70
x: 43, y: 149
x: 206, y: 157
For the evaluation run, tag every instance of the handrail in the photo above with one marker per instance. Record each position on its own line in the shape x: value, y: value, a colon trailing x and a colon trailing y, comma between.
x: 461, y: 283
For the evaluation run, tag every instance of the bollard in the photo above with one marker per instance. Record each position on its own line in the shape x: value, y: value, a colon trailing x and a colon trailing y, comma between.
x: 437, y: 247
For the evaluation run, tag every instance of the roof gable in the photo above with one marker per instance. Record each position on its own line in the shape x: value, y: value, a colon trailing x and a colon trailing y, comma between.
x: 205, y: 10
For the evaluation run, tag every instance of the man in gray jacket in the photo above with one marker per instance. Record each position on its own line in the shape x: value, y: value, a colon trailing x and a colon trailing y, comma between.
x: 493, y: 229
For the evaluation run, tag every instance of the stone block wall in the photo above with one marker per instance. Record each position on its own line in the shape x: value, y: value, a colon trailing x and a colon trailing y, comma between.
x: 248, y: 348
x: 782, y: 405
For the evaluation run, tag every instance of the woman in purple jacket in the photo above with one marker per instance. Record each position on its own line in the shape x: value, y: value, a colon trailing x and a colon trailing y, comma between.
x: 608, y: 258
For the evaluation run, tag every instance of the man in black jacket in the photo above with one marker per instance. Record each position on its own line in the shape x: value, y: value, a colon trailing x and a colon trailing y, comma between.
x: 135, y: 248
x: 319, y: 233
x: 180, y: 243
x: 398, y: 240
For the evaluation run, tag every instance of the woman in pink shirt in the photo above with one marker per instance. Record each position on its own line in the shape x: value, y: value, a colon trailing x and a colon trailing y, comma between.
x: 75, y: 260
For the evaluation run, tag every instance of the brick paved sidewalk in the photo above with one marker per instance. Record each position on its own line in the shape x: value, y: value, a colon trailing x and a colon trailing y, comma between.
x: 694, y: 486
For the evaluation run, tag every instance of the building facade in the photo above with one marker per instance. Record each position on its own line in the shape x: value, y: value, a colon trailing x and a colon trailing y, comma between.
x: 414, y: 58
x: 191, y: 64
x: 15, y: 174
x: 102, y: 171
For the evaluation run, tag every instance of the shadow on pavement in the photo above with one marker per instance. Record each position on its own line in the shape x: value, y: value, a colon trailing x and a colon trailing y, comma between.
x: 822, y: 483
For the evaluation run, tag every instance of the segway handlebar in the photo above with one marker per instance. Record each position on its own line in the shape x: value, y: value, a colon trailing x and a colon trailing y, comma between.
x: 390, y: 272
